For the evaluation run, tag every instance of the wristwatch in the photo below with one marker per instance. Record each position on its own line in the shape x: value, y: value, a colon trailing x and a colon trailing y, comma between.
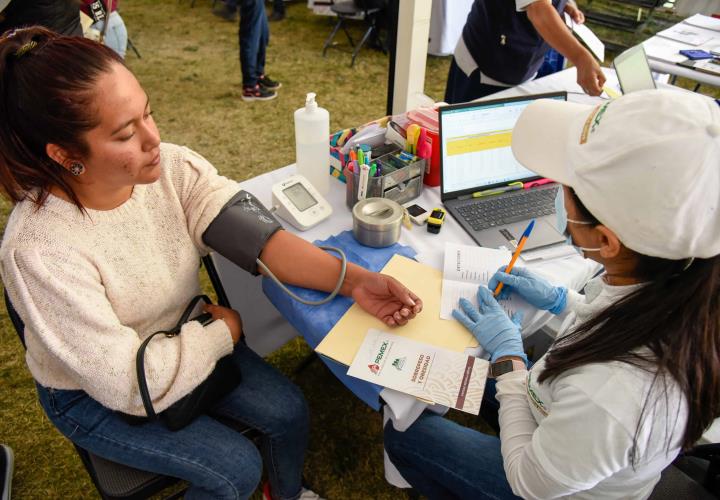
x: 505, y: 366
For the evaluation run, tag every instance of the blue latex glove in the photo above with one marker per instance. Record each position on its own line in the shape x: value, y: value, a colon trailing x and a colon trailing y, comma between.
x: 531, y: 287
x: 496, y: 332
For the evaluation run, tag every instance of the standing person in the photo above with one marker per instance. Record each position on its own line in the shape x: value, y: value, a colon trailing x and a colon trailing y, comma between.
x: 7, y: 465
x: 60, y: 16
x: 115, y: 35
x: 504, y: 43
x: 102, y: 249
x: 278, y: 10
x: 634, y: 375
x: 253, y: 37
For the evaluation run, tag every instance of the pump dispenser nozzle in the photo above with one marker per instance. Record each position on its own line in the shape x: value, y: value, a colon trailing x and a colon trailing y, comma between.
x: 310, y: 103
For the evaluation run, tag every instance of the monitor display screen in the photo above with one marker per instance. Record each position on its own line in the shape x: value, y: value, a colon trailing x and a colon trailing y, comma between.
x: 300, y: 197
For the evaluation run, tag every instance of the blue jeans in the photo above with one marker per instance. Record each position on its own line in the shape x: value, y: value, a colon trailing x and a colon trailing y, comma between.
x: 253, y: 35
x: 216, y: 460
x: 443, y: 460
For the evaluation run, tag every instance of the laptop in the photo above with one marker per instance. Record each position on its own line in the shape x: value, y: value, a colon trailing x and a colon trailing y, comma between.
x: 475, y: 157
x: 633, y: 71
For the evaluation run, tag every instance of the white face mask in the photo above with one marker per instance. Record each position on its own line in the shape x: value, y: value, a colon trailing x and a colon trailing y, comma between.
x: 562, y: 222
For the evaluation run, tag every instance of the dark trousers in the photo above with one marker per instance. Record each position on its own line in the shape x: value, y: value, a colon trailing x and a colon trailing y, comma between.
x: 253, y: 35
x: 463, y: 88
x: 279, y: 6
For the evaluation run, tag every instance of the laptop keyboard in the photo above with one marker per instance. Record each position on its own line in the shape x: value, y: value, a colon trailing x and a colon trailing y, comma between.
x: 484, y: 213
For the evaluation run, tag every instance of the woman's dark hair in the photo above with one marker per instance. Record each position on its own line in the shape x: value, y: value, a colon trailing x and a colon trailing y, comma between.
x: 670, y: 325
x: 47, y: 84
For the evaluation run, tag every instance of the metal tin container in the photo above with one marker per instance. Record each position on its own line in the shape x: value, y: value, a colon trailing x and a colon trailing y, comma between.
x: 377, y: 222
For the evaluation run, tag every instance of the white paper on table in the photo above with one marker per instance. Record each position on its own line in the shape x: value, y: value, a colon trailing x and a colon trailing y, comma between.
x: 686, y: 34
x: 427, y: 372
x: 663, y: 49
x: 701, y: 21
x: 465, y: 268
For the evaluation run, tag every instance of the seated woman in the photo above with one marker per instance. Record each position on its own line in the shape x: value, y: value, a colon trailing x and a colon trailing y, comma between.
x: 634, y: 376
x: 102, y: 249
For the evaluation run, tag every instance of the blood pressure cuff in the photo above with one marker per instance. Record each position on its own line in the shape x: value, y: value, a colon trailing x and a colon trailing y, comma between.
x: 241, y: 230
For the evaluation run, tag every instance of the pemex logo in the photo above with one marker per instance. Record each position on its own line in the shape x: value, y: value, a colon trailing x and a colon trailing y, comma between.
x: 375, y: 366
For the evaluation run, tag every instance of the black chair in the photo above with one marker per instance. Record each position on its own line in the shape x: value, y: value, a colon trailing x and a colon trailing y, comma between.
x: 694, y: 474
x: 115, y: 481
x: 367, y: 10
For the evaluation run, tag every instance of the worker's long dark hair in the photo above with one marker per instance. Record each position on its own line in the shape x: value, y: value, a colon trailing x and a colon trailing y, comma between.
x: 670, y: 325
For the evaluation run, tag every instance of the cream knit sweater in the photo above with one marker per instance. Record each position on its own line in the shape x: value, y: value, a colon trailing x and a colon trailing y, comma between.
x: 91, y: 287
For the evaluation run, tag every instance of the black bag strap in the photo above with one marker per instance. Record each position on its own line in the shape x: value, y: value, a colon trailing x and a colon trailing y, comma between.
x: 140, y: 356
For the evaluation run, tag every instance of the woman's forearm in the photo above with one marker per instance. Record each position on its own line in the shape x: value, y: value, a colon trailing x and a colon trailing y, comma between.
x: 298, y: 262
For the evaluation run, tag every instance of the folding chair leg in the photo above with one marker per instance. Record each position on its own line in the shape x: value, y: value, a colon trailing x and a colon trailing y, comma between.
x: 347, y: 34
x: 132, y: 46
x: 360, y: 45
x: 329, y: 40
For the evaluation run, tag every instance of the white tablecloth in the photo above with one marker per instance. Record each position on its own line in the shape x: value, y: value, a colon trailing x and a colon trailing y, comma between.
x: 663, y: 54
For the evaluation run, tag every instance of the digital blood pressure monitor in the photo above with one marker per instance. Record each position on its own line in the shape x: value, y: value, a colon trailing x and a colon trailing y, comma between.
x: 298, y: 202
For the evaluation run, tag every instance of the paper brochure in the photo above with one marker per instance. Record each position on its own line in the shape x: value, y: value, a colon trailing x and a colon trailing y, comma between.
x: 430, y: 373
x: 345, y: 338
x: 465, y: 268
x: 587, y: 38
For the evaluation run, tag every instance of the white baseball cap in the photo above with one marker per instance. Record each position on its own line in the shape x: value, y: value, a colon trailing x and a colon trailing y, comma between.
x: 646, y: 165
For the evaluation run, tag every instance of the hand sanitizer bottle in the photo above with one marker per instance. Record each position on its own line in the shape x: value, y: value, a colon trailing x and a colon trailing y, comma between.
x: 312, y: 144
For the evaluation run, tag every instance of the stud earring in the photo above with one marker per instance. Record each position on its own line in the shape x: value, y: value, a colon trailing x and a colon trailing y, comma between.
x: 77, y: 168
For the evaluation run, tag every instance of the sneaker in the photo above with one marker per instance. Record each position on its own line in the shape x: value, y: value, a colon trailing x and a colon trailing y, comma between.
x: 7, y: 464
x: 257, y: 93
x: 225, y: 11
x: 268, y: 83
x: 305, y: 493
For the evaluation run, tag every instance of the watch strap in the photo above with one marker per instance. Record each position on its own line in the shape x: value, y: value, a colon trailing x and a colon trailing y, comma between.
x: 505, y: 366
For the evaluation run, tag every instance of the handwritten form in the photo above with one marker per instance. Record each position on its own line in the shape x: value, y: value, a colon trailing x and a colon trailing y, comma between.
x: 464, y: 269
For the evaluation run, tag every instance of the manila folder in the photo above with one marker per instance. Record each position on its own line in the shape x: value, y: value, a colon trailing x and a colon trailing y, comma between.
x: 343, y: 341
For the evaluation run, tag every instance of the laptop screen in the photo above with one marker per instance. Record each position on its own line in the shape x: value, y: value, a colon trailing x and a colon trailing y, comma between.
x: 475, y: 144
x: 633, y: 71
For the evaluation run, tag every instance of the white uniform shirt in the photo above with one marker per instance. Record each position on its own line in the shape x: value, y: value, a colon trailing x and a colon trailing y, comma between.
x: 572, y: 436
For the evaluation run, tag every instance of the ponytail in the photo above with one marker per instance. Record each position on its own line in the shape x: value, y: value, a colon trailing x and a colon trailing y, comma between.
x: 670, y: 325
x: 47, y: 82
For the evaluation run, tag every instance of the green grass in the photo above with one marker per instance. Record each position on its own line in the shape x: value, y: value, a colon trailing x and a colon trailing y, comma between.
x: 190, y: 69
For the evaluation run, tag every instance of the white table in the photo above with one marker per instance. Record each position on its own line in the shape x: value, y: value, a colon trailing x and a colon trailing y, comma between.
x: 663, y: 54
x: 267, y: 330
x: 446, y: 24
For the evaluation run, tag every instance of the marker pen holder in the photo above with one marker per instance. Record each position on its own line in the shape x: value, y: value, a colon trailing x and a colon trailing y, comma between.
x: 400, y: 181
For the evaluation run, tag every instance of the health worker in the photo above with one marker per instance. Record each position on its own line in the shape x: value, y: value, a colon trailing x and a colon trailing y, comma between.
x: 633, y: 376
